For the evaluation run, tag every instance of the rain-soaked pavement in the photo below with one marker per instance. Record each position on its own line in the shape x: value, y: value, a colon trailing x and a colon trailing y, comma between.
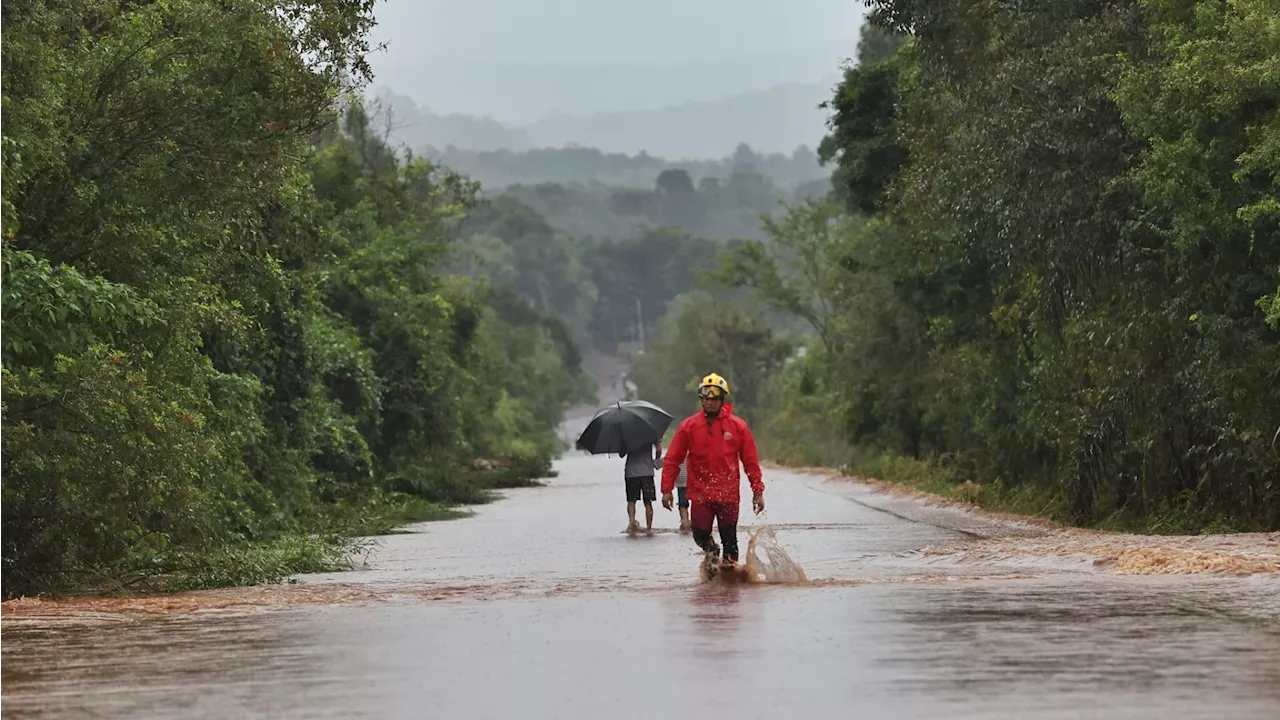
x: 540, y: 606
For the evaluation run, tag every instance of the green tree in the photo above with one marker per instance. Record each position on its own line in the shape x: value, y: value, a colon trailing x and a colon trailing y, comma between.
x: 146, y: 148
x: 230, y: 335
x: 710, y: 331
x: 636, y: 278
x: 876, y: 42
x: 681, y: 205
x: 1075, y: 227
x: 547, y: 263
x: 799, y: 269
x: 864, y: 142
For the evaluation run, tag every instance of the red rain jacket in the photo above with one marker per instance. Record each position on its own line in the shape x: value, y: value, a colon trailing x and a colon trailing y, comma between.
x: 714, y: 447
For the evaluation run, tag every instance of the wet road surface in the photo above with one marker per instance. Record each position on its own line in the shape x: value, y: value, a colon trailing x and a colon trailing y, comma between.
x: 540, y: 606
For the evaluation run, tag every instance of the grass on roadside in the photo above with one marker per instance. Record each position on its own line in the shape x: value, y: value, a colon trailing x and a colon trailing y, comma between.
x: 345, y: 535
x: 1187, y: 517
x: 995, y: 496
x: 258, y: 563
x: 395, y: 510
x: 464, y: 487
x: 330, y: 540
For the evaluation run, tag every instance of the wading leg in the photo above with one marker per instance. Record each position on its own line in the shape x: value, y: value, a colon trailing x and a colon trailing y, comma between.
x: 729, y: 537
x: 701, y: 516
x: 727, y: 520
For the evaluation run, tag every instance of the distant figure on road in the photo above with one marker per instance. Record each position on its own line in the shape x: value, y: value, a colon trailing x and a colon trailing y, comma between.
x: 639, y: 477
x: 714, y: 441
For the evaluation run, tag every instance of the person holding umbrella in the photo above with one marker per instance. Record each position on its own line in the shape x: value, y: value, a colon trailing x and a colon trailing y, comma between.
x: 638, y: 476
x: 633, y: 429
x: 714, y: 441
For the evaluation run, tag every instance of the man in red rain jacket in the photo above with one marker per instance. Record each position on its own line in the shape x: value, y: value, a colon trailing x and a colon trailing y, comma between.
x: 715, y: 440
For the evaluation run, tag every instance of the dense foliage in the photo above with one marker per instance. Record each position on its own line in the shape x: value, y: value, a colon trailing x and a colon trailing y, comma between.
x: 606, y: 291
x: 719, y: 208
x: 1055, y: 270
x: 710, y: 331
x: 229, y: 333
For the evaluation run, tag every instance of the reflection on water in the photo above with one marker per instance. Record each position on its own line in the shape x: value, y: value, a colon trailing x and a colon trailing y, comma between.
x: 1177, y: 647
x: 580, y: 622
x: 990, y: 649
x: 714, y: 610
x: 155, y: 667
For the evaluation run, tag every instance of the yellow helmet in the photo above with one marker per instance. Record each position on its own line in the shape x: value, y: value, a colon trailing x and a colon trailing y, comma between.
x: 713, y: 386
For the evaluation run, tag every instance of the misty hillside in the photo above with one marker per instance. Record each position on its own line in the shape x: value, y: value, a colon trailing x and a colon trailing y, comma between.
x: 776, y: 120
x: 496, y: 169
x: 409, y: 124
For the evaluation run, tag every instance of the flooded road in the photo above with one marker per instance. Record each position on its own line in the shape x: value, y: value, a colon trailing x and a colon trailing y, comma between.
x: 541, y: 606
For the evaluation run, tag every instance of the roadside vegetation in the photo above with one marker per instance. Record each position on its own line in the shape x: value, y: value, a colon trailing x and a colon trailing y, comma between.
x: 1049, y: 274
x: 230, y: 340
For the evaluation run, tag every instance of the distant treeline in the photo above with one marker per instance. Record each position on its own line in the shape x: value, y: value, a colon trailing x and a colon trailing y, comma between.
x: 589, y: 167
x: 717, y: 208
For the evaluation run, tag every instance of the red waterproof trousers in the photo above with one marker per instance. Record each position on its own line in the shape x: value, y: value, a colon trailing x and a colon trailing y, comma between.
x: 701, y: 513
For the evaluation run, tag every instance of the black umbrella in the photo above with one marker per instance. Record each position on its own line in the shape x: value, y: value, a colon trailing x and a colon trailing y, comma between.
x: 624, y: 427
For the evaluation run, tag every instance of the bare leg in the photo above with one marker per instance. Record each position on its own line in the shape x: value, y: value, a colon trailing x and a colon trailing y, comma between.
x: 631, y: 518
x: 648, y: 517
x: 684, y: 519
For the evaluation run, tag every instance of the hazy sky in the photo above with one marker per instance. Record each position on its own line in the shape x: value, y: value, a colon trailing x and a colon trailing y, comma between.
x: 518, y: 60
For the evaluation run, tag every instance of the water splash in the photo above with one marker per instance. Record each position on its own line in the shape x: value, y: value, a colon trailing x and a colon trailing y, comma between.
x: 769, y: 562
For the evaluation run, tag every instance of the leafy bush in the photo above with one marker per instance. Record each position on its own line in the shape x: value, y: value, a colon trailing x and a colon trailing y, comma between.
x: 229, y: 331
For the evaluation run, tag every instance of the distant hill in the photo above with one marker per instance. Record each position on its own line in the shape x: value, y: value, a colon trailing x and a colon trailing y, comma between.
x: 418, y: 127
x: 489, y: 82
x: 775, y: 120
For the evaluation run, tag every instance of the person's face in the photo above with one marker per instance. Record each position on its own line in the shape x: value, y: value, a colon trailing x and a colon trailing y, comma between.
x: 711, y: 404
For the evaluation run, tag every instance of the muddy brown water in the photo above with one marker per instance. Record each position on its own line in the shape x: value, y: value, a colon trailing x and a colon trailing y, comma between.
x: 541, y: 606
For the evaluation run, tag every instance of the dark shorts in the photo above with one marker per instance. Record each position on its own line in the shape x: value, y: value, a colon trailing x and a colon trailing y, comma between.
x: 641, y: 486
x: 682, y: 495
